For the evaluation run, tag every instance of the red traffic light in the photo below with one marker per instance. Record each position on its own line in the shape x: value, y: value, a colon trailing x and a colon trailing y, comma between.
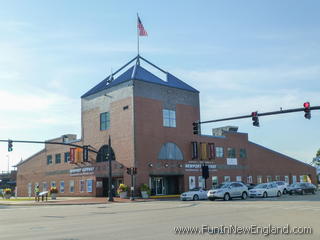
x: 306, y: 105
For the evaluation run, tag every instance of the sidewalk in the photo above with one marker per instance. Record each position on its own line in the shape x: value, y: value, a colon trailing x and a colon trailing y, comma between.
x: 68, y: 201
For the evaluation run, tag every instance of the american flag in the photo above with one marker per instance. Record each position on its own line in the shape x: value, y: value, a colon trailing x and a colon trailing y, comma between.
x: 142, y: 31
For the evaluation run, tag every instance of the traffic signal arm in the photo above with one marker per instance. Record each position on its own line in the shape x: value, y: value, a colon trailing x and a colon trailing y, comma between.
x: 262, y: 114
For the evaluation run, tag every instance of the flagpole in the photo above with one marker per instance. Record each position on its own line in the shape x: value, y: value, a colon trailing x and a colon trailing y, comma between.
x: 138, y: 34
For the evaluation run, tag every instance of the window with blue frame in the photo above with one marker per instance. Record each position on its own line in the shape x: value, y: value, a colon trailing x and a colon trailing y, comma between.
x: 170, y: 151
x: 49, y: 159
x: 104, y: 121
x: 89, y: 185
x: 66, y: 157
x: 169, y: 118
x: 58, y: 158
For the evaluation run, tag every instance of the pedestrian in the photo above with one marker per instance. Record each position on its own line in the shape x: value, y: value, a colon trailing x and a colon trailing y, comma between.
x: 113, y: 191
x: 36, y: 193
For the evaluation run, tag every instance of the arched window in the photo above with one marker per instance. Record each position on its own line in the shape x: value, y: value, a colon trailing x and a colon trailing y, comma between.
x: 170, y: 151
x: 103, y: 151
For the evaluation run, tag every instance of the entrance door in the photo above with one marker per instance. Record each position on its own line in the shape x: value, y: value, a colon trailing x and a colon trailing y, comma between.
x: 159, y: 186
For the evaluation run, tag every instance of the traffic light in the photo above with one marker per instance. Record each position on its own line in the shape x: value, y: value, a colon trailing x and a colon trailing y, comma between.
x: 134, y: 171
x: 129, y: 171
x: 255, y: 119
x: 85, y: 154
x: 10, y: 146
x: 307, y: 111
x: 205, y: 172
x: 195, y: 128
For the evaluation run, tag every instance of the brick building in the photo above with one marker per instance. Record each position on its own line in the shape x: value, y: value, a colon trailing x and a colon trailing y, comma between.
x: 149, y: 119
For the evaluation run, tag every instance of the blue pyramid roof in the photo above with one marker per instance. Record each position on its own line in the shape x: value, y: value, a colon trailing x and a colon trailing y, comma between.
x: 137, y: 72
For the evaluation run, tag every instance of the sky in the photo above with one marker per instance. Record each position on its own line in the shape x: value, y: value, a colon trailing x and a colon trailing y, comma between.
x: 242, y: 55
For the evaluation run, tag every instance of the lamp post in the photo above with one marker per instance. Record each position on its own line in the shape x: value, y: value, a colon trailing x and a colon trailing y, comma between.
x: 110, y: 171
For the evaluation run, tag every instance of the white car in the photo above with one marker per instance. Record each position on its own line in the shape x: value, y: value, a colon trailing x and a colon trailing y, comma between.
x: 265, y: 190
x: 194, y: 194
x: 228, y: 190
x: 282, y: 186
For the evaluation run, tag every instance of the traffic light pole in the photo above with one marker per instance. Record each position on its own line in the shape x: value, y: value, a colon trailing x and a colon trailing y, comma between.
x: 132, y: 187
x: 110, y: 171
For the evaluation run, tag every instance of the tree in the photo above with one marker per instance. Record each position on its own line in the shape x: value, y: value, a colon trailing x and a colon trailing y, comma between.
x: 318, y: 153
x: 316, y: 160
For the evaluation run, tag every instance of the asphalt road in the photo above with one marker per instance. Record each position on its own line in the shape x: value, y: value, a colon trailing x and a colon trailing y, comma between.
x: 157, y: 219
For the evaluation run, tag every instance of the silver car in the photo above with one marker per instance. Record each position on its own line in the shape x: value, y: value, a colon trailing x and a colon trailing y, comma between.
x: 282, y: 186
x: 229, y: 190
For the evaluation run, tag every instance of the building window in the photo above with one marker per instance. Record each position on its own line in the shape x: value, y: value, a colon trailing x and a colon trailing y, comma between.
x: 62, y: 186
x: 238, y: 178
x: 71, y: 186
x: 294, y: 179
x: 89, y: 185
x: 82, y: 186
x: 58, y: 158
x: 49, y: 159
x: 169, y: 118
x: 215, y: 180
x: 194, y: 150
x: 227, y: 178
x: 192, y: 182
x: 170, y: 151
x: 269, y: 179
x: 53, y: 184
x: 243, y: 153
x: 302, y: 178
x: 249, y: 179
x: 201, y: 182
x: 104, y: 121
x: 259, y: 179
x: 204, y: 153
x: 44, y: 186
x: 66, y: 157
x: 231, y: 152
x: 277, y: 178
x: 286, y: 179
x: 219, y: 151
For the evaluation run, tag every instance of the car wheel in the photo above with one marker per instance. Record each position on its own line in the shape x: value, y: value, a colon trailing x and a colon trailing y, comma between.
x: 313, y: 192
x: 265, y: 194
x: 211, y: 199
x: 290, y: 193
x: 285, y: 191
x: 195, y: 197
x: 279, y: 194
x: 226, y: 197
x: 244, y: 196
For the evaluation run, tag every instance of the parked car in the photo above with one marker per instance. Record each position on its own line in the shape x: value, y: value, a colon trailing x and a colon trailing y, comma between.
x: 229, y: 190
x: 250, y: 185
x: 282, y: 186
x: 194, y: 194
x: 302, y: 188
x: 265, y: 190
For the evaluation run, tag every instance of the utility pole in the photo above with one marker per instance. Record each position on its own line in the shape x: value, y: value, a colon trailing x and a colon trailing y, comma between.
x: 110, y: 171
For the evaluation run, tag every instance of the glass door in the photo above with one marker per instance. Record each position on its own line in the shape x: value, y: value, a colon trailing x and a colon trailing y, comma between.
x: 159, y: 186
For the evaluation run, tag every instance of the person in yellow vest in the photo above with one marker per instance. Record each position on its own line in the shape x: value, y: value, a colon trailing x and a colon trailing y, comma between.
x: 36, y: 193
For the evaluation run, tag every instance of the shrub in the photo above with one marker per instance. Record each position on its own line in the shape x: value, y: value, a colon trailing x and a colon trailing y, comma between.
x: 122, y: 188
x: 53, y: 190
x: 7, y: 191
x: 145, y: 188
